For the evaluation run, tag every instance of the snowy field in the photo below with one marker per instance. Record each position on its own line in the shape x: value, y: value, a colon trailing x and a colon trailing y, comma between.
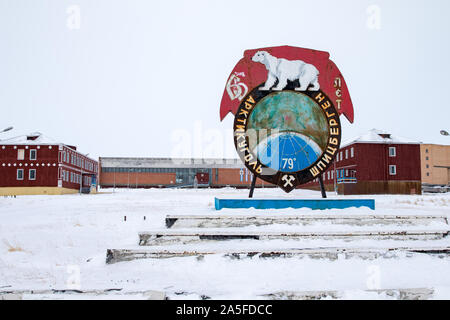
x: 48, y: 241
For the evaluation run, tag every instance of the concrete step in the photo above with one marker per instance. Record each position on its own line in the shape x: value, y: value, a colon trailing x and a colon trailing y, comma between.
x: 218, y: 221
x: 331, y: 253
x: 188, y: 236
x: 395, y: 294
x: 66, y: 294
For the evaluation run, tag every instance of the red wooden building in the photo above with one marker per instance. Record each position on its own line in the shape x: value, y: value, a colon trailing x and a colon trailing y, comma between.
x: 375, y: 163
x: 36, y: 164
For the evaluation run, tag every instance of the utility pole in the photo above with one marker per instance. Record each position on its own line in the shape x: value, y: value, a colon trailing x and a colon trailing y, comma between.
x: 335, y: 177
x: 81, y: 181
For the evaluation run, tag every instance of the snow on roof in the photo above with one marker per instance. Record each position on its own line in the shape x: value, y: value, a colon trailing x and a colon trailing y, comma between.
x: 378, y: 136
x: 32, y: 138
x: 108, y: 162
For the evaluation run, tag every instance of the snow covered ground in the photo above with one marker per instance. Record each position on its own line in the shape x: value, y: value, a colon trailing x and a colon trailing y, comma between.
x: 60, y: 242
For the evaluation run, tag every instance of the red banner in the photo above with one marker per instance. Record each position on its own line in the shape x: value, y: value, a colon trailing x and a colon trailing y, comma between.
x: 274, y: 66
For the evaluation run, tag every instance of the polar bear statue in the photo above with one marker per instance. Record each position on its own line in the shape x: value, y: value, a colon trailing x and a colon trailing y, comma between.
x: 285, y: 70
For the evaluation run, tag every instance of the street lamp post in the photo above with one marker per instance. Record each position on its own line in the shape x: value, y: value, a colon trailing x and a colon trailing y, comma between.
x: 7, y: 129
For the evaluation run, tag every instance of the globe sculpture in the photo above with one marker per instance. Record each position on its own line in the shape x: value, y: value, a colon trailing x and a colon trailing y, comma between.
x: 296, y: 131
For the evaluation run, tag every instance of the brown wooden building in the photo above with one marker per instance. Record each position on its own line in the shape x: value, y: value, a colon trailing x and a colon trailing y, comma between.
x: 375, y: 163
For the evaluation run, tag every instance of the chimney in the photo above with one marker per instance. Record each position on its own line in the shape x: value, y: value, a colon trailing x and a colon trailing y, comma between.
x: 385, y: 135
x: 33, y: 136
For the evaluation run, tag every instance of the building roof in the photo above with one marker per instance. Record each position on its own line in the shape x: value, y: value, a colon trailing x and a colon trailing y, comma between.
x: 378, y: 136
x: 32, y: 138
x: 37, y: 138
x: 108, y: 162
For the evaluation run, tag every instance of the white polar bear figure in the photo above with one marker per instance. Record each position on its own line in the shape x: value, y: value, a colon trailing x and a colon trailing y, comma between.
x: 285, y: 70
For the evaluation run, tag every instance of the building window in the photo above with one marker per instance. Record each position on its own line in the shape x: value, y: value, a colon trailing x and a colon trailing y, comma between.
x: 428, y: 174
x: 427, y: 166
x: 392, y: 152
x: 392, y: 170
x: 427, y: 158
x: 32, y: 174
x: 426, y: 150
x: 346, y: 154
x: 33, y: 154
x: 352, y: 152
x: 21, y: 154
x: 19, y: 174
x: 340, y: 155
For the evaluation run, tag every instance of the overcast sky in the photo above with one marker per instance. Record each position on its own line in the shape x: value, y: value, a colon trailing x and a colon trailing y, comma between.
x: 145, y: 78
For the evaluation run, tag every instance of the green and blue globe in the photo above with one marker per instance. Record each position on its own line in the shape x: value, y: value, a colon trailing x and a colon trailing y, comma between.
x: 292, y: 131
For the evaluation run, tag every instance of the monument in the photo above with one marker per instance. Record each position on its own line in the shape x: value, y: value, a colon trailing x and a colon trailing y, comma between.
x: 287, y: 103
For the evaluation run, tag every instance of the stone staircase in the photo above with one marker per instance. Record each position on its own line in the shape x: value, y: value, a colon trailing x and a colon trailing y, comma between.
x: 274, y: 236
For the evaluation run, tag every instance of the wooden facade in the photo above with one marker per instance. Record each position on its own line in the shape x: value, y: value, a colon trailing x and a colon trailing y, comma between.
x: 29, y: 165
x: 374, y: 168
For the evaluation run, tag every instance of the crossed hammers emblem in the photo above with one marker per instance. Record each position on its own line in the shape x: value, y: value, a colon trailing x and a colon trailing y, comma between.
x: 288, y: 180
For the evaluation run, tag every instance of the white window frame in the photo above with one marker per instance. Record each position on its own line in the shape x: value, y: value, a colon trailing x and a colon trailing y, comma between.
x: 17, y: 174
x: 35, y: 154
x: 20, y: 154
x: 392, y: 172
x: 346, y: 153
x: 394, y: 153
x: 29, y: 174
x: 352, y: 152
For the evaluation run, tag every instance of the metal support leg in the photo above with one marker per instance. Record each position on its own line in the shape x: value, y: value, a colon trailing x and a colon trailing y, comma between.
x: 252, y: 187
x: 322, y: 187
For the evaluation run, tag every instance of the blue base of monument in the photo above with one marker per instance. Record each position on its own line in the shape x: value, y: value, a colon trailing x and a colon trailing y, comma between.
x: 315, y: 204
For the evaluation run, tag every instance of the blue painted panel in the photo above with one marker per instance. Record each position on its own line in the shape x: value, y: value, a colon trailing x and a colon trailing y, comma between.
x: 315, y: 204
